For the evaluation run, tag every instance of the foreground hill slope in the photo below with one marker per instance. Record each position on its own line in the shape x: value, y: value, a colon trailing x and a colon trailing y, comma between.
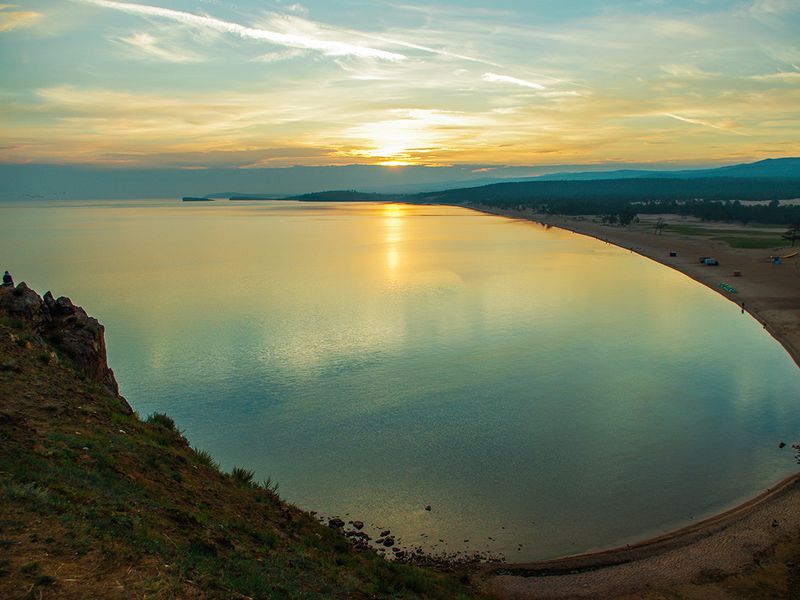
x: 95, y: 503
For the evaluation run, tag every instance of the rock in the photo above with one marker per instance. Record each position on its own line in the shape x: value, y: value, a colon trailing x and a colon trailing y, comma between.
x: 428, y: 508
x: 336, y: 523
x: 782, y: 445
x: 385, y: 533
x: 358, y: 525
x: 49, y: 301
x: 75, y: 334
x: 388, y: 542
x: 22, y: 302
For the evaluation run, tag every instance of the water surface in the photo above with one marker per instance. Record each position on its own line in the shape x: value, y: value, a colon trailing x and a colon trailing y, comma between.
x: 533, y: 386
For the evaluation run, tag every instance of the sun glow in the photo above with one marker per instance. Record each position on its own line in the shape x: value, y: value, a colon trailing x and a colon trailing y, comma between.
x: 394, y: 223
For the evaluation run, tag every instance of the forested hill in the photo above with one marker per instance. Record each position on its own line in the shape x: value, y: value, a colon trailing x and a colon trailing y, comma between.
x: 622, y: 190
x: 773, y: 168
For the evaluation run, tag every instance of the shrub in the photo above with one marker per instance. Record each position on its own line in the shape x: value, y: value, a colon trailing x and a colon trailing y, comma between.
x: 28, y: 492
x: 242, y: 476
x: 270, y: 486
x: 205, y: 458
x: 162, y: 420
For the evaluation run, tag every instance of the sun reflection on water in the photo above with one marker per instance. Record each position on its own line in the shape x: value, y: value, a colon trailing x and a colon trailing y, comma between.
x: 394, y: 223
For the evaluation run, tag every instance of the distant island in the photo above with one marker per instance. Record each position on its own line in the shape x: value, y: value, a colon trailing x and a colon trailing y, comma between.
x: 196, y: 199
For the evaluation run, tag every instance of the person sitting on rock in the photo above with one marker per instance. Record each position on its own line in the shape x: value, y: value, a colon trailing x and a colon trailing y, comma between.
x: 7, y: 279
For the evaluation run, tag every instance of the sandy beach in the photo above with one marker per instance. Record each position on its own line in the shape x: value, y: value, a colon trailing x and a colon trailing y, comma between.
x: 752, y: 550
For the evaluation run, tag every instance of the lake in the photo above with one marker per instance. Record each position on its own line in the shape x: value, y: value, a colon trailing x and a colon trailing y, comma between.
x: 543, y: 392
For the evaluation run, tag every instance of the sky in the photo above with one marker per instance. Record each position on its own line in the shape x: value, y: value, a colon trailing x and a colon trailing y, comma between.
x: 196, y: 84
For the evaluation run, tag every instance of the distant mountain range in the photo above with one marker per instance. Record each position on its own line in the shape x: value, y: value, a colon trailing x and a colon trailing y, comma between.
x: 718, y: 183
x: 75, y: 182
x: 764, y: 180
x: 778, y: 168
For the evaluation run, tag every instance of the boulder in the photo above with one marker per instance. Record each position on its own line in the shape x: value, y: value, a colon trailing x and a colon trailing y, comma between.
x: 68, y: 328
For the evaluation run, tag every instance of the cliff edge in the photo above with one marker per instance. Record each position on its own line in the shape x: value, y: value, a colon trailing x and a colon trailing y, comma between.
x: 96, y: 503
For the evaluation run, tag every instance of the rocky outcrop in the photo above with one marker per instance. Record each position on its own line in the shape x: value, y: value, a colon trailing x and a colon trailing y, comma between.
x: 58, y: 322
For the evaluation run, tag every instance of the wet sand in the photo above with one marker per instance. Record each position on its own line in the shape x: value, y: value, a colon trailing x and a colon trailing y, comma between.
x: 723, y: 556
x: 693, y: 562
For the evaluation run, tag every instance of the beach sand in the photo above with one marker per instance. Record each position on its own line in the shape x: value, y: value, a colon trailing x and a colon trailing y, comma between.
x: 752, y: 551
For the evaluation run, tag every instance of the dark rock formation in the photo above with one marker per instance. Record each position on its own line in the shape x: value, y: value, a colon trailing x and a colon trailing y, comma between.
x: 58, y: 322
x: 335, y: 523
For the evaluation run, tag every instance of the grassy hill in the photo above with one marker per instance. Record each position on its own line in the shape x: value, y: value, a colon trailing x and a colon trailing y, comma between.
x: 96, y: 503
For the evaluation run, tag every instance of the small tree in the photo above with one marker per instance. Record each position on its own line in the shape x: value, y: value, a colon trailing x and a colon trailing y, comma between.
x: 793, y: 233
x: 627, y: 216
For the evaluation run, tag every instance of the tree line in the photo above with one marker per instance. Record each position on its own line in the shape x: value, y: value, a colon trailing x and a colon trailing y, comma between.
x: 711, y: 199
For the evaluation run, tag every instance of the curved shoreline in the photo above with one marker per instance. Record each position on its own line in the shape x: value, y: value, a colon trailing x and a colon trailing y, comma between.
x: 726, y: 543
x: 599, y: 559
x: 753, y: 302
x: 753, y: 546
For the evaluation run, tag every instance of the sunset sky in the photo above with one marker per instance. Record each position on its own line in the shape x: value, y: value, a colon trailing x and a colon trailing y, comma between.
x: 247, y: 83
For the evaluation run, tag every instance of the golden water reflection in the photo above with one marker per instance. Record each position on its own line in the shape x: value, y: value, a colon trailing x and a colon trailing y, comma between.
x: 393, y: 223
x: 491, y: 368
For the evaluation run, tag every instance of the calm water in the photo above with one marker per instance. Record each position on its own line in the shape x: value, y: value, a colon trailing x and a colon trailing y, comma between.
x: 532, y: 386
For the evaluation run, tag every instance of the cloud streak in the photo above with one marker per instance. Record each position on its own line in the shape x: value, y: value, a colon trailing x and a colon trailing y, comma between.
x: 327, y: 47
x: 494, y: 78
x: 13, y: 19
x: 703, y: 123
x: 146, y: 45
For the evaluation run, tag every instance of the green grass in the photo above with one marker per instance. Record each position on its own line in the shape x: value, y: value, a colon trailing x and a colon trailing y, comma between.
x: 205, y: 458
x: 242, y: 476
x: 162, y: 420
x: 752, y: 241
x: 735, y: 238
x: 710, y: 231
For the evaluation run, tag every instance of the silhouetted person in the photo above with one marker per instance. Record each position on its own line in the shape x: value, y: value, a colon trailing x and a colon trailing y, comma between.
x: 7, y: 279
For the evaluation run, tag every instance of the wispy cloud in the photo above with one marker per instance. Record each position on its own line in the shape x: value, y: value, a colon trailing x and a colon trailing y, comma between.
x: 686, y: 72
x: 13, y: 19
x: 148, y: 46
x: 428, y: 49
x: 494, y: 78
x: 327, y: 47
x: 271, y: 57
x: 771, y: 7
x: 286, y: 23
x: 704, y: 123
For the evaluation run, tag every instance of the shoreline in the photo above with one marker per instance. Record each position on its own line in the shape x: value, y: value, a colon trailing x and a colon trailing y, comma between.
x: 695, y: 558
x: 739, y: 549
x: 649, y: 547
x: 773, y: 302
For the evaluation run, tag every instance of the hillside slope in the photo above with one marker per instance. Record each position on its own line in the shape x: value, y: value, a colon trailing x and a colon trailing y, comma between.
x: 95, y: 503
